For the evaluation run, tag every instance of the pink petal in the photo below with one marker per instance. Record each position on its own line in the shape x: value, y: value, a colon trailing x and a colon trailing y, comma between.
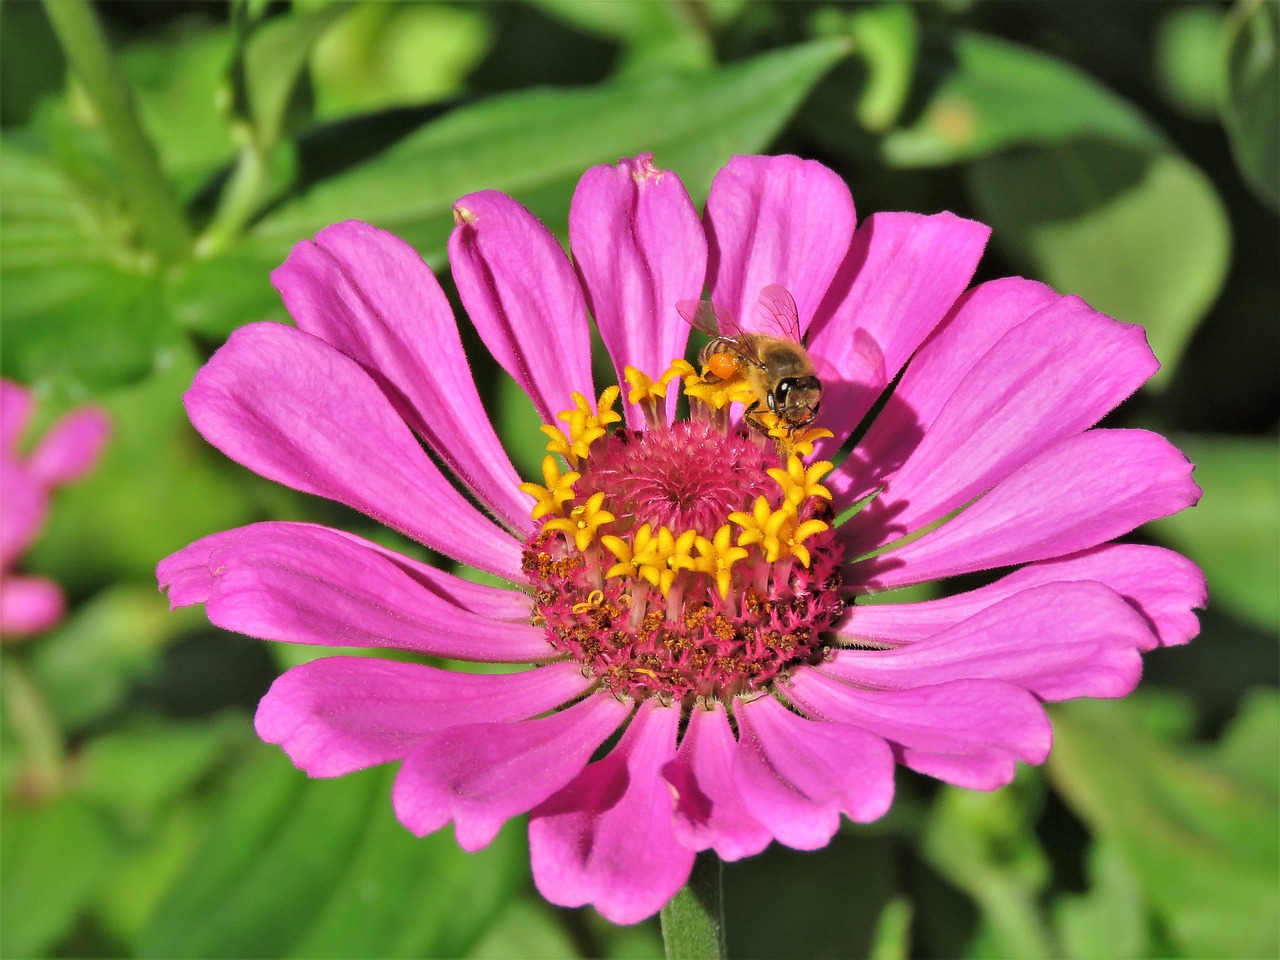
x: 1047, y: 379
x: 187, y: 578
x: 308, y: 584
x: 71, y: 447
x: 709, y: 812
x: 1161, y: 585
x: 340, y: 714
x: 480, y: 775
x: 968, y: 732
x: 776, y: 220
x: 293, y: 409
x: 28, y: 605
x: 23, y: 503
x: 1058, y: 640
x: 368, y: 293
x: 903, y: 273
x: 523, y: 297
x: 639, y: 248
x: 15, y: 412
x: 1082, y: 492
x: 797, y: 776
x: 606, y: 839
x: 977, y: 321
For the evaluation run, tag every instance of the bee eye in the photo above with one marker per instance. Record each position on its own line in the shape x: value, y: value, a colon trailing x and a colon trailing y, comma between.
x: 777, y: 398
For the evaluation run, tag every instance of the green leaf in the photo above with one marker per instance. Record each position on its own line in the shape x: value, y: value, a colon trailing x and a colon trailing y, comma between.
x: 654, y: 35
x: 270, y: 66
x: 1140, y: 234
x: 321, y: 868
x: 532, y: 144
x: 886, y: 38
x: 137, y: 770
x: 1234, y: 532
x: 76, y: 309
x: 396, y: 54
x: 1251, y: 111
x: 1203, y: 846
x: 536, y: 144
x: 55, y: 855
x: 146, y: 868
x: 87, y: 665
x: 405, y: 896
x: 178, y: 75
x: 893, y: 931
x: 527, y: 930
x: 1249, y: 747
x: 991, y: 94
x: 984, y: 844
x: 1189, y: 48
x: 1109, y: 921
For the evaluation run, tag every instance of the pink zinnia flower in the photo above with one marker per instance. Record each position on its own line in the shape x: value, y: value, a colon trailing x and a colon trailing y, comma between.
x: 689, y: 586
x: 67, y: 451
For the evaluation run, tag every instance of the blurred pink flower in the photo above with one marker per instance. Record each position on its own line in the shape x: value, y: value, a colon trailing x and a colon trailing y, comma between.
x: 685, y: 583
x: 68, y: 450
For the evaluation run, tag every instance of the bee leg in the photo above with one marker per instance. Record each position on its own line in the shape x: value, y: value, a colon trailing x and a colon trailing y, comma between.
x: 750, y: 416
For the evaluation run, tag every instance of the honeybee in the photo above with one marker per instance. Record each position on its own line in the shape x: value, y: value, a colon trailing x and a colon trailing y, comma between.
x: 771, y: 360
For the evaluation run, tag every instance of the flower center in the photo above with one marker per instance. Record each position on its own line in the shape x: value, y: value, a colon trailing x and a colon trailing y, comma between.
x: 689, y: 560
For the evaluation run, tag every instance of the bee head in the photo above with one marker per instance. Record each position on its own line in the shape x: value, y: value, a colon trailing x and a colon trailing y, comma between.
x: 795, y: 400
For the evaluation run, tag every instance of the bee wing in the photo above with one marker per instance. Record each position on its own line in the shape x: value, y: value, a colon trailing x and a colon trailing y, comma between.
x: 776, y: 313
x: 716, y: 323
x: 712, y: 320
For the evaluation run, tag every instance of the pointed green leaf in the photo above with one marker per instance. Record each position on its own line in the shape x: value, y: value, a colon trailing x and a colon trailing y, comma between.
x: 55, y: 854
x: 532, y: 144
x: 1252, y: 108
x: 1109, y: 921
x: 136, y: 770
x: 1141, y: 235
x: 270, y: 66
x: 985, y: 844
x: 992, y: 94
x: 1234, y: 532
x: 321, y: 868
x: 75, y: 309
x: 1203, y: 846
x: 535, y: 144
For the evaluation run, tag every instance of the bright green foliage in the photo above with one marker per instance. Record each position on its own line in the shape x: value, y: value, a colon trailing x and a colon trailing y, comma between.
x: 1127, y: 153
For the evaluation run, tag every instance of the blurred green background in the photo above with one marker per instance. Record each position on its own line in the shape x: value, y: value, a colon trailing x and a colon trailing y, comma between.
x: 1126, y: 152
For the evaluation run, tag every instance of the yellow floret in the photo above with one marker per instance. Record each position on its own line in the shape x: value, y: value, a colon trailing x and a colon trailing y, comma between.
x: 799, y: 482
x: 583, y: 521
x: 716, y: 558
x: 559, y: 489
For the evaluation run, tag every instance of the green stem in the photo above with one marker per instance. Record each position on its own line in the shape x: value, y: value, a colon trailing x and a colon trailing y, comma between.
x: 693, y: 922
x: 242, y: 198
x: 160, y: 216
x: 41, y: 749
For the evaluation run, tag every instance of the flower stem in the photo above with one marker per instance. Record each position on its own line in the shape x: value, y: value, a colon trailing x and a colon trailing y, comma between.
x: 160, y: 217
x: 693, y: 922
x: 41, y: 745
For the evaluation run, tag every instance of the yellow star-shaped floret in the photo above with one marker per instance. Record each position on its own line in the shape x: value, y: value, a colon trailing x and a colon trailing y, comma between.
x: 798, y: 442
x: 583, y: 521
x: 718, y: 395
x: 558, y: 490
x: 799, y: 482
x: 762, y: 526
x: 635, y: 559
x: 717, y: 556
